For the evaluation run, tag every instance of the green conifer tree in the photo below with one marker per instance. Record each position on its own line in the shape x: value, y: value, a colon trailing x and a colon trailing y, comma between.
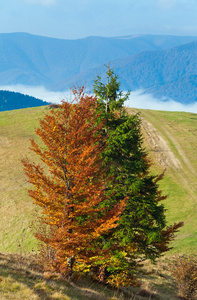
x: 142, y: 231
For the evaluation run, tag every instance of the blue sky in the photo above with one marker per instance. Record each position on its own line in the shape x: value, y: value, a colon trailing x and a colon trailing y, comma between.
x: 72, y: 19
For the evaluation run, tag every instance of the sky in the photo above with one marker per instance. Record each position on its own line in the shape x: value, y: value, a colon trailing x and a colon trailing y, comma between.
x: 73, y: 19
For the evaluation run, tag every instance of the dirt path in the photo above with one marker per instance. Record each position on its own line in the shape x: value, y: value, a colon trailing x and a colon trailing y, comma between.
x: 163, y: 153
x: 166, y: 157
x: 184, y: 158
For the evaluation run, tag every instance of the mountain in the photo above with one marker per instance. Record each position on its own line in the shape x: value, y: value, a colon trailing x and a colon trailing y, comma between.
x: 162, y: 65
x: 12, y: 100
x: 170, y: 73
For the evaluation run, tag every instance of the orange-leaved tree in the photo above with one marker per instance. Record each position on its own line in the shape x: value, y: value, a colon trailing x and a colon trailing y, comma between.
x: 70, y: 184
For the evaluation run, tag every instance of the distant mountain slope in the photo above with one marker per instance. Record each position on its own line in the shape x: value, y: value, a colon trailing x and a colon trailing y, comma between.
x: 37, y: 60
x: 168, y: 73
x: 12, y: 100
x: 183, y: 90
x: 162, y: 65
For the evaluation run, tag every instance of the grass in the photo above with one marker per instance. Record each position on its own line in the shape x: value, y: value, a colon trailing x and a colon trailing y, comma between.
x: 17, y: 210
x: 179, y: 130
x: 20, y: 277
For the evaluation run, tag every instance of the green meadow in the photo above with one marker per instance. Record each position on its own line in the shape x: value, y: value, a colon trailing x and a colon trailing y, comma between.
x: 177, y: 156
x: 170, y: 139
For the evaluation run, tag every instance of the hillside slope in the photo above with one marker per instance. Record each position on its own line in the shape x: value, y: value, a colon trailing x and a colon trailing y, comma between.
x: 11, y: 100
x: 170, y: 138
x: 171, y: 141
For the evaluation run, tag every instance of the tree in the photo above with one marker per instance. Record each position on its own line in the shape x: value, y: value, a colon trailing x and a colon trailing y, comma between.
x: 109, y: 95
x: 142, y: 231
x: 69, y: 186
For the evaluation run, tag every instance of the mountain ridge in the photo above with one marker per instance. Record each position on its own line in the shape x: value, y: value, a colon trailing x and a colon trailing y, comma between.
x: 154, y: 72
x: 12, y: 100
x: 153, y: 63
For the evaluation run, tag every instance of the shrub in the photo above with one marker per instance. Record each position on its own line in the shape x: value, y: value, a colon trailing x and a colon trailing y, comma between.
x: 184, y: 270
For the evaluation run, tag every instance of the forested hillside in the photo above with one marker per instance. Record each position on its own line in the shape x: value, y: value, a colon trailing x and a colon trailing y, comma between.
x: 167, y: 73
x: 164, y: 66
x: 11, y: 100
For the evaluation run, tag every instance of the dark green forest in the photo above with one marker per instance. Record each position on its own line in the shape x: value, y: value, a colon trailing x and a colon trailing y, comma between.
x: 12, y: 100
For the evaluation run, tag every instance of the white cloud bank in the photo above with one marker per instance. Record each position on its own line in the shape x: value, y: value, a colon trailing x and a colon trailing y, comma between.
x: 39, y: 92
x: 136, y: 99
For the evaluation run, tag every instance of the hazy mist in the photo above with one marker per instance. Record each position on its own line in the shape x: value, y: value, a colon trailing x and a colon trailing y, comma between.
x: 137, y: 99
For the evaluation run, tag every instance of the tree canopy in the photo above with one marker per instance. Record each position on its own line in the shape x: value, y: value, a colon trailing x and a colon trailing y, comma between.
x: 71, y: 190
x: 142, y: 225
x: 102, y: 210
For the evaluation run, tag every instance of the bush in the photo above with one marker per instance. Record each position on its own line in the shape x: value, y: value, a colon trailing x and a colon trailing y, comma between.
x: 184, y: 270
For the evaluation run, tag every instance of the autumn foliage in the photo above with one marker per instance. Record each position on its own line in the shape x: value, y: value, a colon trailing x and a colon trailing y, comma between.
x: 101, y: 209
x: 70, y: 190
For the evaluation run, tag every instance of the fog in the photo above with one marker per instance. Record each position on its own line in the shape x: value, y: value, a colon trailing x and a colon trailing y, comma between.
x: 137, y: 99
x: 39, y: 92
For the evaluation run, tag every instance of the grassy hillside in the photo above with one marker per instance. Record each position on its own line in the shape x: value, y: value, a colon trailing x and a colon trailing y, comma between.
x: 16, y: 208
x: 22, y: 278
x: 171, y: 141
x: 170, y: 138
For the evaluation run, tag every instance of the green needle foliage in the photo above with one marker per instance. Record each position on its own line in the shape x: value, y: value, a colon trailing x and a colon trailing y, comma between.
x: 109, y: 95
x: 142, y: 231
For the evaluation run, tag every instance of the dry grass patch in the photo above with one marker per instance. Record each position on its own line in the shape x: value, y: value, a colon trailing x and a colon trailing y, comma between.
x: 22, y: 277
x: 184, y: 270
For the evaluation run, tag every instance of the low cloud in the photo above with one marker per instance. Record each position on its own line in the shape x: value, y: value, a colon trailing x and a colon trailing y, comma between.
x: 137, y: 99
x: 39, y: 92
